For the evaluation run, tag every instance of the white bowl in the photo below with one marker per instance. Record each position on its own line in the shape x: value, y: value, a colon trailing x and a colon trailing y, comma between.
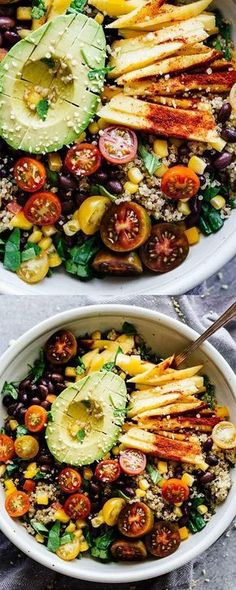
x: 164, y: 335
x: 204, y: 259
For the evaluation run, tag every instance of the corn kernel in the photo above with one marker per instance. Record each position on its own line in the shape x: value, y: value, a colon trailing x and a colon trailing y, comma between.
x: 197, y: 164
x: 135, y: 175
x: 31, y: 471
x: 54, y: 260
x: 35, y: 237
x: 162, y: 467
x: 42, y: 498
x: 70, y: 372
x: 78, y: 533
x: 178, y: 504
x: 2, y: 470
x: 97, y: 520
x: 9, y: 487
x: 143, y: 484
x: 130, y: 187
x: 49, y: 230
x: 187, y: 479
x: 96, y: 335
x: 222, y: 412
x: 84, y: 546
x: 218, y: 144
x: 177, y: 511
x: 71, y: 227
x: 87, y: 473
x: 45, y: 243
x: 116, y: 450
x: 54, y: 162
x: 19, y: 220
x: 71, y: 528
x: 218, y: 202
x: 202, y: 509
x: 99, y: 18
x: 140, y: 493
x: 13, y: 424
x: 39, y: 538
x: 183, y: 208
x: 192, y: 235
x: 23, y: 33
x: 61, y: 515
x: 81, y: 524
x: 183, y: 533
x: 102, y: 123
x: 160, y: 148
x: 93, y: 128
x: 24, y: 13
x: 161, y: 170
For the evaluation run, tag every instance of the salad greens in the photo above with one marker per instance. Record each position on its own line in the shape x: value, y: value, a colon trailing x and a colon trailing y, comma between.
x: 12, y: 257
x: 151, y: 161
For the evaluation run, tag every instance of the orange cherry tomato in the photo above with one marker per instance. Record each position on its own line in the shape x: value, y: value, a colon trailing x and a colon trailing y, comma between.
x: 7, y: 450
x: 29, y: 486
x: 175, y: 491
x: 69, y: 480
x: 77, y: 506
x: 35, y: 418
x: 43, y: 208
x: 83, y: 159
x: 180, y: 182
x: 30, y: 174
x: 17, y: 504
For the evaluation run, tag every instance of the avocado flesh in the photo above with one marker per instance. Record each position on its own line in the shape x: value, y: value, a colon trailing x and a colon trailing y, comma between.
x: 75, y: 97
x: 95, y: 406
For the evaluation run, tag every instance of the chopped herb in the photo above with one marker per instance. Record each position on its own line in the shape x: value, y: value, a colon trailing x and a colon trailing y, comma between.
x: 225, y: 34
x: 109, y: 366
x: 150, y: 160
x: 196, y: 522
x: 39, y: 528
x: 210, y: 192
x: 81, y: 434
x: 21, y: 430
x: 52, y: 177
x: 128, y: 328
x: 81, y: 257
x: 54, y: 537
x: 80, y: 369
x: 40, y: 475
x: 232, y: 203
x: 60, y: 246
x: 50, y: 417
x: 38, y: 368
x: 120, y: 494
x: 95, y: 73
x: 48, y: 61
x: 99, y: 546
x: 30, y: 251
x: 76, y: 6
x: 98, y: 189
x: 154, y: 474
x: 42, y: 108
x: 209, y: 396
x: 12, y: 467
x: 12, y: 257
x: 147, y: 354
x: 67, y: 538
x: 9, y: 389
x: 39, y: 9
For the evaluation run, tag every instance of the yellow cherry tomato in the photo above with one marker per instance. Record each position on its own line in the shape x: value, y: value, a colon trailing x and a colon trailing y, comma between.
x: 70, y: 550
x: 224, y: 435
x: 26, y: 447
x: 34, y: 270
x: 111, y: 510
x: 91, y: 212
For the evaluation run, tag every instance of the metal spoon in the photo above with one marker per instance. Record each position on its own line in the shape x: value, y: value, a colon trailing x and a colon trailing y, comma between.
x: 221, y: 321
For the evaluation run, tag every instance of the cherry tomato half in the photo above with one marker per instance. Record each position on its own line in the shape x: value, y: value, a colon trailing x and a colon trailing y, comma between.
x: 224, y: 435
x: 77, y: 506
x: 17, y: 504
x: 128, y: 550
x: 43, y: 208
x: 30, y: 174
x: 91, y: 212
x: 166, y: 248
x: 125, y: 227
x: 118, y: 145
x: 164, y: 539
x: 175, y: 491
x: 83, y: 159
x: 135, y: 520
x: 61, y: 347
x: 107, y: 471
x: 35, y: 418
x: 34, y: 270
x: 180, y: 182
x: 69, y: 480
x: 7, y: 449
x: 26, y: 447
x: 69, y: 551
x: 132, y: 461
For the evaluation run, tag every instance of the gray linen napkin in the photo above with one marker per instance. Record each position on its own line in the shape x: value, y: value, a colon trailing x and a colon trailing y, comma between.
x: 16, y: 570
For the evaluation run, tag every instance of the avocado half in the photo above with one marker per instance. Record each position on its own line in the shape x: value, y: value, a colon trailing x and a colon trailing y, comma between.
x: 53, y: 65
x: 86, y: 418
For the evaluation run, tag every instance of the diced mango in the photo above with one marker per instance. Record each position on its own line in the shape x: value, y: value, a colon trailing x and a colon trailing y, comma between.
x: 13, y: 424
x: 218, y: 202
x: 70, y: 372
x: 184, y: 533
x: 19, y: 220
x: 135, y: 175
x: 96, y: 335
x: 84, y: 546
x: 9, y: 487
x: 197, y: 164
x: 160, y: 148
x: 49, y: 230
x: 54, y: 259
x: 39, y: 538
x: 71, y: 527
x: 87, y: 473
x: 192, y: 235
x: 35, y: 237
x: 42, y: 498
x: 130, y: 187
x: 23, y: 13
x: 31, y: 471
x: 45, y: 243
x: 162, y: 467
x: 2, y: 470
x: 54, y: 162
x: 222, y: 412
x: 61, y: 515
x: 93, y: 128
x: 183, y: 207
x: 140, y: 493
x: 178, y: 511
x: 81, y: 524
x: 187, y: 479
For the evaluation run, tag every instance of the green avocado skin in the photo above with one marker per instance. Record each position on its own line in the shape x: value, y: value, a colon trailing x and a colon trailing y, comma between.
x: 36, y: 63
x: 96, y: 406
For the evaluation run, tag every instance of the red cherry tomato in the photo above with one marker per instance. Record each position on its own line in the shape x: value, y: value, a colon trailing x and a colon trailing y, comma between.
x: 7, y: 450
x: 132, y: 462
x: 69, y: 480
x: 175, y: 491
x: 118, y: 145
x: 107, y: 471
x: 43, y: 208
x: 17, y: 504
x: 164, y: 539
x: 180, y: 182
x: 30, y: 174
x: 83, y: 159
x: 77, y: 506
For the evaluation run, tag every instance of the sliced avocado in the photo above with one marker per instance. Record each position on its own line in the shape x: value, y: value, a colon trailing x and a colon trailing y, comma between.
x: 51, y: 64
x: 86, y: 418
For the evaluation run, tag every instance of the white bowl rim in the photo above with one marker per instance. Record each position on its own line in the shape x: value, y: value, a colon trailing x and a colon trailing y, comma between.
x: 174, y: 561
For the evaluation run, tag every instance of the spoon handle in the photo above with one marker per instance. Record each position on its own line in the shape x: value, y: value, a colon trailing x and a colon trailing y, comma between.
x: 221, y: 321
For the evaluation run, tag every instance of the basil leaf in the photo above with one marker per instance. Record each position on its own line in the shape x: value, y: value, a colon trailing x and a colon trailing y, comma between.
x: 150, y: 160
x: 40, y: 475
x: 42, y: 108
x: 39, y: 528
x: 12, y: 467
x: 128, y: 328
x: 9, y: 389
x: 31, y: 251
x: 12, y: 257
x: 54, y: 537
x: 67, y: 538
x: 38, y: 368
x: 154, y: 474
x: 52, y: 177
x: 80, y: 258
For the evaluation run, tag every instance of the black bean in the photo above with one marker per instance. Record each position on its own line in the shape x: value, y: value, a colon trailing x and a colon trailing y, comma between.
x: 33, y: 389
x: 44, y: 458
x: 35, y: 401
x: 80, y: 198
x: 12, y: 409
x: 21, y: 413
x: 45, y: 404
x: 207, y: 446
x: 224, y: 112
x: 183, y: 150
x: 114, y: 186
x: 7, y: 401
x: 210, y: 155
x: 10, y: 38
x: 129, y: 491
x: 57, y: 377
x: 50, y: 387
x: 25, y: 384
x: 43, y: 390
x: 212, y: 460
x: 6, y: 23
x: 223, y: 161
x: 1, y: 40
x: 183, y: 520
x: 101, y: 176
x: 202, y: 180
x: 7, y: 10
x: 59, y: 387
x: 45, y: 468
x: 206, y: 478
x: 95, y: 488
x: 68, y: 206
x: 95, y: 506
x: 229, y: 134
x: 67, y: 183
x: 113, y: 172
x: 23, y: 397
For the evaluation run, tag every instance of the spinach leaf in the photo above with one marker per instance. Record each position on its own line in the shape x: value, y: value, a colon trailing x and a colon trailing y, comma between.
x: 209, y: 396
x: 80, y: 258
x: 60, y: 245
x: 54, y: 537
x: 39, y: 9
x: 9, y: 389
x: 154, y: 474
x: 39, y: 528
x: 95, y: 73
x: 210, y: 192
x: 21, y: 430
x: 42, y: 108
x: 150, y: 160
x: 12, y: 467
x: 109, y: 366
x: 99, y: 546
x: 81, y: 434
x: 38, y: 368
x: 76, y: 6
x: 128, y: 328
x: 99, y: 189
x: 40, y: 475
x: 12, y: 257
x: 30, y: 251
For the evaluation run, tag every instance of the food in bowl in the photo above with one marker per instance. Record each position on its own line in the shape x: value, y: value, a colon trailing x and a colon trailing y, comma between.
x: 107, y: 449
x: 128, y: 185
